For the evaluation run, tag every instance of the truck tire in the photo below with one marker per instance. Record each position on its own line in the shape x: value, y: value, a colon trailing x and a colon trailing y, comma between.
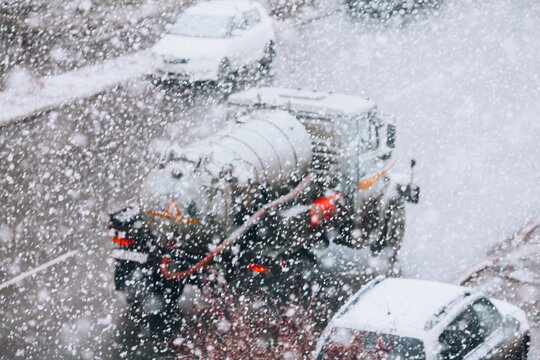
x: 299, y: 281
x: 523, y: 353
x: 148, y: 294
x: 393, y: 230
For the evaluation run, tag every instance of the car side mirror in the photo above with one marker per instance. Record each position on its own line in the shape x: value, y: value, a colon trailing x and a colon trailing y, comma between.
x: 511, y: 324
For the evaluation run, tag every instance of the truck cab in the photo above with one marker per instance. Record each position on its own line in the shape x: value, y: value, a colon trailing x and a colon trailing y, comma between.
x: 352, y: 146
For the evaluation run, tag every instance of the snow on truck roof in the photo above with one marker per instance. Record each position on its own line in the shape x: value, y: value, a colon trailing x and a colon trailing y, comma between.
x: 220, y: 7
x: 304, y: 100
x: 398, y: 306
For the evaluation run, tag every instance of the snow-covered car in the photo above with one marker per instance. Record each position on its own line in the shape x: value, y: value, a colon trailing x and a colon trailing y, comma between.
x: 384, y: 9
x: 416, y: 319
x: 215, y: 39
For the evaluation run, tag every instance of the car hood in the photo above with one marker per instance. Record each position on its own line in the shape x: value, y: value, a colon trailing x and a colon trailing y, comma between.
x: 191, y: 47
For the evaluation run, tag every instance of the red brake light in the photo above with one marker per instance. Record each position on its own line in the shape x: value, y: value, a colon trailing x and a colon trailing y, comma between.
x: 323, y: 209
x: 123, y: 241
x: 258, y: 268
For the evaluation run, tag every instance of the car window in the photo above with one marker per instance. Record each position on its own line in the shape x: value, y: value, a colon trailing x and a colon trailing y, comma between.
x: 252, y: 17
x: 489, y: 317
x: 344, y: 343
x: 201, y: 26
x: 239, y: 23
x: 462, y: 336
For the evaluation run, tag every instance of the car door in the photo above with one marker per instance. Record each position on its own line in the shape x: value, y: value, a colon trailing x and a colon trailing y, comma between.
x: 462, y: 338
x: 496, y: 340
x: 239, y: 49
x: 258, y: 33
x: 476, y: 333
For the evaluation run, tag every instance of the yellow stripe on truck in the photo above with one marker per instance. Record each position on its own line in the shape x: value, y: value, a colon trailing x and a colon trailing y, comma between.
x: 367, y: 183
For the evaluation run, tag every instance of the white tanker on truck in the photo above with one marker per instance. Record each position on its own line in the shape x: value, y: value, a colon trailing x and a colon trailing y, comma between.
x: 289, y: 168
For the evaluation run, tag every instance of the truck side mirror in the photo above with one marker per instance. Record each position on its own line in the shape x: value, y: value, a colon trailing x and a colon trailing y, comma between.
x: 391, y: 136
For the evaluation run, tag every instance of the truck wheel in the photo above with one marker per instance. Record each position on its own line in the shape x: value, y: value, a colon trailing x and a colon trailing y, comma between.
x: 523, y: 353
x: 301, y: 278
x: 393, y: 230
x: 148, y: 295
x: 122, y: 269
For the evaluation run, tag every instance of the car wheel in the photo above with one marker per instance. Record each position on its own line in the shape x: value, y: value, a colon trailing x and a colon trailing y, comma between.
x: 269, y: 54
x: 524, y: 348
x: 225, y: 76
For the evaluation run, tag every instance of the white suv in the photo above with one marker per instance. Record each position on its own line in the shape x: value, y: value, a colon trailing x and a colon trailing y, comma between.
x: 214, y: 39
x: 424, y: 320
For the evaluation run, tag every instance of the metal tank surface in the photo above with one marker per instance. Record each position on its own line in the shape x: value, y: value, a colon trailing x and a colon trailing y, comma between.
x: 292, y: 172
x: 213, y: 181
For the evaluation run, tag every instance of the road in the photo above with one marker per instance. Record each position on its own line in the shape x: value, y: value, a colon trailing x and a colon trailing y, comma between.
x: 64, y: 172
x: 52, y: 37
x: 463, y: 85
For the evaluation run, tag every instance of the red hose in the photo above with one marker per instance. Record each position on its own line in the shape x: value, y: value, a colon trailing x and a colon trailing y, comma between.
x: 253, y: 219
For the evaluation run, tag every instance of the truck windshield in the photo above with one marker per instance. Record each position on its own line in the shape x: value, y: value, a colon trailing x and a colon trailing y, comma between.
x: 201, y: 26
x: 346, y: 343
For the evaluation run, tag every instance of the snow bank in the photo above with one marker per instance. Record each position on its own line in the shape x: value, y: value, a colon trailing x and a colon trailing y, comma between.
x: 27, y: 95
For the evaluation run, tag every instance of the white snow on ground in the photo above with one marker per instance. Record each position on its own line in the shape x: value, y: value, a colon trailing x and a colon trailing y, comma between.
x: 27, y: 95
x: 465, y: 88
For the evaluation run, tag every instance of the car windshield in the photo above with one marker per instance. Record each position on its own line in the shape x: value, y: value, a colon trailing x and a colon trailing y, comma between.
x: 346, y: 343
x: 201, y: 26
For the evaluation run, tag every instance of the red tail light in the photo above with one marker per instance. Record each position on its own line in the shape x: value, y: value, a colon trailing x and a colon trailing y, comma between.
x: 123, y: 241
x: 258, y: 268
x: 323, y: 209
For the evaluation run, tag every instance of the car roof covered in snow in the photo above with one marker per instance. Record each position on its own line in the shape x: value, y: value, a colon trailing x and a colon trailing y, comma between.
x: 304, y: 101
x: 398, y: 306
x: 221, y: 7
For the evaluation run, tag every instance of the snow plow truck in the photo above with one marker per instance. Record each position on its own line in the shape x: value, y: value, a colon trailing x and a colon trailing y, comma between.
x: 289, y: 167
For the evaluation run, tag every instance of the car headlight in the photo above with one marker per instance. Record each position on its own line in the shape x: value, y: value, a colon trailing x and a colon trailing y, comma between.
x: 173, y: 60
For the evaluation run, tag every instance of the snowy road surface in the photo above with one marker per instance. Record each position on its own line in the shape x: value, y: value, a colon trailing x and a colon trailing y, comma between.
x: 26, y: 96
x: 464, y: 86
